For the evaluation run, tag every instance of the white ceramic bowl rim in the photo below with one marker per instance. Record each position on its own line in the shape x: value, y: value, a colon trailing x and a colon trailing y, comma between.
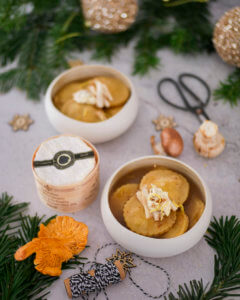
x: 106, y: 68
x: 144, y: 239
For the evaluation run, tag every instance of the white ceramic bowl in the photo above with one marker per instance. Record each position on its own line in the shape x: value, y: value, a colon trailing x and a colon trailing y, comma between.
x: 94, y: 132
x: 153, y: 247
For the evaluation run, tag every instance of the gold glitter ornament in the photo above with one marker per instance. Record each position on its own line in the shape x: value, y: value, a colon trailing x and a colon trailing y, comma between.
x: 226, y: 37
x: 109, y: 16
x: 21, y: 122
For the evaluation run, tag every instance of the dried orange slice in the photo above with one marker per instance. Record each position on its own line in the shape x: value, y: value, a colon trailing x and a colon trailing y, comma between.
x: 57, y: 242
x: 50, y: 254
x: 72, y: 233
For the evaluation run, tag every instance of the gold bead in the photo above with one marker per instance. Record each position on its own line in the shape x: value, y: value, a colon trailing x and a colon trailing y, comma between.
x: 226, y: 37
x: 110, y: 16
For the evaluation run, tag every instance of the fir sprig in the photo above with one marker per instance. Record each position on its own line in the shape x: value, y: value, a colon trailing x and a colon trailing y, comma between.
x: 40, y: 37
x: 224, y: 237
x: 9, y: 212
x: 229, y: 90
x: 19, y: 280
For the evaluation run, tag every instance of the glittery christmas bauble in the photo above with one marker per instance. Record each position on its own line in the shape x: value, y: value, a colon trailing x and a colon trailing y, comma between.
x: 226, y: 37
x: 109, y: 16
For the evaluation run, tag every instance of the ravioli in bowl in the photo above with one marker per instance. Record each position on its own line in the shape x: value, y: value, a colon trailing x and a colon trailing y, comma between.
x: 92, y: 100
x: 159, y: 204
x: 156, y: 206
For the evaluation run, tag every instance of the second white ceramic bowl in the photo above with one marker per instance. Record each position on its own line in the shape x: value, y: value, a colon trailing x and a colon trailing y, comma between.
x: 153, y: 247
x: 94, y: 132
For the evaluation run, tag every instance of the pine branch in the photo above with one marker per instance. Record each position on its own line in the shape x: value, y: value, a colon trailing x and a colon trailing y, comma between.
x: 229, y: 90
x: 194, y: 291
x: 169, y: 3
x: 40, y: 36
x: 8, y: 246
x: 29, y: 228
x: 19, y: 280
x: 146, y: 49
x: 105, y: 46
x: 9, y: 213
x: 224, y: 237
x: 180, y: 33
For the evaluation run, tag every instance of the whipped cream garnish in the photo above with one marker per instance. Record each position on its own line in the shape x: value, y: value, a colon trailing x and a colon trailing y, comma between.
x: 156, y: 202
x: 96, y: 93
x: 209, y: 129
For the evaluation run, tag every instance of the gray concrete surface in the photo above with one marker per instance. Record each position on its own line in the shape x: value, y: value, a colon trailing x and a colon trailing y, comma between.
x: 221, y: 174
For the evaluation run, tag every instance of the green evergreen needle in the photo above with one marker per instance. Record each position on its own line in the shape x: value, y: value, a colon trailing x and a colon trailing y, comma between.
x: 224, y: 237
x: 42, y: 39
x: 20, y: 280
x: 229, y: 90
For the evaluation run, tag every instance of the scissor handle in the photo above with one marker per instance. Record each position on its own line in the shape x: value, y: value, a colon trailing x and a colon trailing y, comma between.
x: 189, y: 75
x: 170, y: 80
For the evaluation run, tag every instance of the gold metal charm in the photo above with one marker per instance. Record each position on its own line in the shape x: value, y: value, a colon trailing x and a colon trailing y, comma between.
x: 21, y: 122
x: 125, y: 259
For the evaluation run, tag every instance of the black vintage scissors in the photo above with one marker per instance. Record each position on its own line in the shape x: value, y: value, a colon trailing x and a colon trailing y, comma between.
x: 181, y: 86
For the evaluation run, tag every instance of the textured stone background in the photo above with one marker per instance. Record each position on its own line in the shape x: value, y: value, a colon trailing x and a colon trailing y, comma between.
x: 221, y: 174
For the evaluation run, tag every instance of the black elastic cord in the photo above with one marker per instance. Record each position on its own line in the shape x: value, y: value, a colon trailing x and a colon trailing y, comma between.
x: 42, y: 163
x: 50, y: 162
x: 84, y: 155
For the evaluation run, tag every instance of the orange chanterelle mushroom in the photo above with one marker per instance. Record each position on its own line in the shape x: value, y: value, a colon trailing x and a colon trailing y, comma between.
x: 57, y: 242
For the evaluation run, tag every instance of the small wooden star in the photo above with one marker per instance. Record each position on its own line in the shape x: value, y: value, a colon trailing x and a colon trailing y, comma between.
x: 125, y: 259
x: 21, y: 122
x: 163, y: 122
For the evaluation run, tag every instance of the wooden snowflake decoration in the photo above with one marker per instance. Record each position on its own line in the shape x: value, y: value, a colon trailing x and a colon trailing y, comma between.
x: 163, y: 122
x: 125, y: 259
x: 21, y: 122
